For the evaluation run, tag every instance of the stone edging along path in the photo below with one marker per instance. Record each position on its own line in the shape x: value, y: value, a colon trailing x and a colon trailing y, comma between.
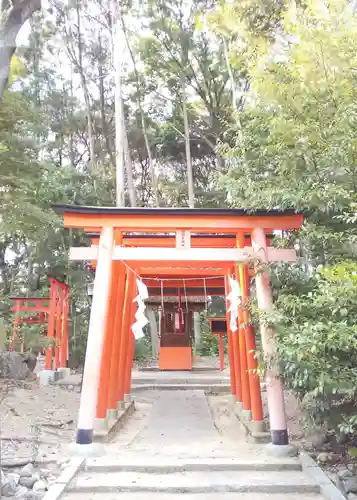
x: 327, y: 487
x: 58, y: 488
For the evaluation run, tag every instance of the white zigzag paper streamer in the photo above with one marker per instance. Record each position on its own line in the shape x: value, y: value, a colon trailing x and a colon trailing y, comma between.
x: 141, y: 319
x: 234, y: 300
x: 142, y: 290
x: 137, y: 331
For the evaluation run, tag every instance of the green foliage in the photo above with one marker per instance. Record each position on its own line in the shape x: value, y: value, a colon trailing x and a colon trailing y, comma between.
x: 78, y: 338
x: 259, y: 18
x: 176, y: 49
x: 17, y: 69
x: 208, y: 342
x: 34, y: 337
x: 295, y: 145
x: 317, y: 338
x: 142, y: 350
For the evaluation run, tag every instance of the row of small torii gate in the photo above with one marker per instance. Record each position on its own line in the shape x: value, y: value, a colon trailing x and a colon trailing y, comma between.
x: 52, y: 313
x: 183, y: 250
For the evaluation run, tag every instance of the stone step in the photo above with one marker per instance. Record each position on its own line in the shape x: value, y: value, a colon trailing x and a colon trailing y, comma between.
x: 175, y: 465
x: 196, y: 482
x: 180, y: 380
x: 194, y: 496
x: 195, y: 369
x: 212, y: 388
x: 166, y: 385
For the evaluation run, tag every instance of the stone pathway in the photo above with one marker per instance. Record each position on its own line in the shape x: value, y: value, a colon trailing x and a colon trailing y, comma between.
x: 178, y: 419
x: 181, y: 442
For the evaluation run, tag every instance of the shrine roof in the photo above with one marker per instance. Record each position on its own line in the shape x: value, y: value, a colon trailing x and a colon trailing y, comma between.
x: 82, y: 209
x: 199, y: 220
x: 29, y: 298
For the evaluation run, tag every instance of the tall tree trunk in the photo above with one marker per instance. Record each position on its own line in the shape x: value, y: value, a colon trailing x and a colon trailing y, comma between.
x: 235, y: 105
x: 89, y: 123
x: 154, y: 180
x: 90, y: 129
x: 128, y: 165
x: 191, y: 193
x: 184, y: 65
x: 4, y: 282
x: 102, y: 107
x: 13, y: 15
x: 119, y: 118
x: 29, y: 269
x: 71, y: 137
x: 230, y: 73
x: 124, y: 162
x: 12, y: 281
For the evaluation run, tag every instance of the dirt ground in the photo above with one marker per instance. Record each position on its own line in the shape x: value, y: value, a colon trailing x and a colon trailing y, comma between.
x: 36, y: 422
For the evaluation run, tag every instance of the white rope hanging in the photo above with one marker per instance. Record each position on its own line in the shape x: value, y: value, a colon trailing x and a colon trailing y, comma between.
x: 166, y: 279
x: 162, y: 280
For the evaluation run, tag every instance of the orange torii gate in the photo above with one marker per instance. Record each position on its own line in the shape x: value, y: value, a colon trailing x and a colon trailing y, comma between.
x: 51, y: 311
x: 175, y: 243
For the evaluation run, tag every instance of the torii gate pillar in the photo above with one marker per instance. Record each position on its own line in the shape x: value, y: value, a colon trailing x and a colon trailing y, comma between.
x: 96, y: 332
x: 275, y: 390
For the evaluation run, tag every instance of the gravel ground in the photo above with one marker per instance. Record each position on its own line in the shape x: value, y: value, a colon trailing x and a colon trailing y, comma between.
x: 36, y: 422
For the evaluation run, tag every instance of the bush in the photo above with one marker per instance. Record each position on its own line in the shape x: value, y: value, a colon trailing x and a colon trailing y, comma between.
x: 142, y: 350
x: 317, y: 342
x: 208, y: 342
